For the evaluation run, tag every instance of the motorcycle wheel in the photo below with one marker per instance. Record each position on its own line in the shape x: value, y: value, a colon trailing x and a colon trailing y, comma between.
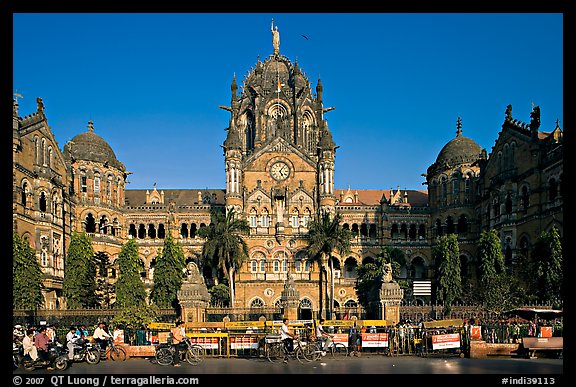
x: 28, y: 366
x: 93, y: 356
x: 61, y: 363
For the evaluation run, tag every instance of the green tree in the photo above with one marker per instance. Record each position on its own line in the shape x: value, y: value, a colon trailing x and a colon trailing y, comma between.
x: 27, y: 276
x: 547, y: 257
x: 446, y: 254
x: 135, y: 317
x: 219, y: 295
x: 168, y: 274
x: 492, y: 272
x: 79, y: 285
x: 104, y: 288
x: 325, y: 236
x: 369, y: 275
x: 225, y: 248
x: 129, y: 286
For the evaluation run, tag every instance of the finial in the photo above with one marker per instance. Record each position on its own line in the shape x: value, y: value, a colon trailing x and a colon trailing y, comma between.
x: 17, y: 95
x: 40, y: 104
x: 459, y: 127
x: 154, y: 186
x: 90, y: 126
x: 557, y: 123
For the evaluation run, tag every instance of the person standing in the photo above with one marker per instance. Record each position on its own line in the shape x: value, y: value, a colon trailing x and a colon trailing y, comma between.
x: 287, y: 338
x: 178, y: 336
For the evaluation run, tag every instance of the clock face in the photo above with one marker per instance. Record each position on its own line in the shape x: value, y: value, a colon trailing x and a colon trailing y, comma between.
x: 280, y: 171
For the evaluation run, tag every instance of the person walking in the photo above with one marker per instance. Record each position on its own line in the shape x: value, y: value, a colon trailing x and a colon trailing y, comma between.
x: 287, y: 338
x: 178, y: 336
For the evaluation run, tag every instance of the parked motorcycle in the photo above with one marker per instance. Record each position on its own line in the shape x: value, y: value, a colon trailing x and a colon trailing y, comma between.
x: 56, y: 358
x: 85, y: 351
x: 17, y: 355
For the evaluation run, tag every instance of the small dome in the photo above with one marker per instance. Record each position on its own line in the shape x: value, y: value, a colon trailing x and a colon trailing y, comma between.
x: 91, y: 147
x: 459, y: 150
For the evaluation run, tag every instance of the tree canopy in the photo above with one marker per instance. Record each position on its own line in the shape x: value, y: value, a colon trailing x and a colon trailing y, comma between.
x: 129, y: 286
x: 27, y: 276
x: 168, y: 274
x: 79, y: 286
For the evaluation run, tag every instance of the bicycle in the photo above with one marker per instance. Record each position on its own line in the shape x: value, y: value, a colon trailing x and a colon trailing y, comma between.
x: 165, y: 353
x: 276, y: 350
x: 115, y: 352
x: 334, y: 350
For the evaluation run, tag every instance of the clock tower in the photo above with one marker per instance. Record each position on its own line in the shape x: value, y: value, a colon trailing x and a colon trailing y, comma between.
x: 279, y: 152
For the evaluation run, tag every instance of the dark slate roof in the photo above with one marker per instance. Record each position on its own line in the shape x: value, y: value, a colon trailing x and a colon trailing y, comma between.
x: 91, y: 147
x: 459, y: 150
x: 181, y: 197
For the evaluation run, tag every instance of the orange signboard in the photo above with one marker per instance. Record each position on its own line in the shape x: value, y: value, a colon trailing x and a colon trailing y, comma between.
x: 546, y: 331
x: 475, y: 332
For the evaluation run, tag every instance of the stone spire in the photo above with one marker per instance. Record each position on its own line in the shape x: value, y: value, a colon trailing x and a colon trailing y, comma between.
x: 459, y: 127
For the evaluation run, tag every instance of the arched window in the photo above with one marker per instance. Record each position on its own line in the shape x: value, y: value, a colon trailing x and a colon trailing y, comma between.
x: 90, y: 223
x: 103, y: 225
x: 253, y: 266
x: 161, y: 231
x: 439, y: 230
x: 552, y: 189
x: 525, y: 199
x: 372, y: 230
x: 193, y: 230
x: 354, y: 230
x: 422, y: 231
x: 24, y: 198
x: 450, y: 229
x: 42, y: 203
x: 462, y: 226
x: 364, y: 230
x: 44, y: 152
x: 151, y: 231
x: 394, y: 231
x: 444, y: 189
x: 508, y: 204
x: 403, y: 231
x: 412, y: 232
x: 141, y: 231
x: 257, y: 303
x: 132, y: 230
x: 50, y: 157
x: 36, y: 150
x: 184, y: 230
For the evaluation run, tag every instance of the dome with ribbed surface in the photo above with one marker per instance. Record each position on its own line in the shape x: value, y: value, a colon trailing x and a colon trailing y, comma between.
x: 91, y: 147
x: 459, y: 150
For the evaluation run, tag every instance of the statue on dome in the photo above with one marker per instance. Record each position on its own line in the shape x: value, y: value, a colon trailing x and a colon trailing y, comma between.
x: 275, y: 38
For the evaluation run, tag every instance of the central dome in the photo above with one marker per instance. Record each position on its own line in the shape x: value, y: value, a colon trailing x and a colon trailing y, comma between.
x: 459, y: 150
x: 91, y: 147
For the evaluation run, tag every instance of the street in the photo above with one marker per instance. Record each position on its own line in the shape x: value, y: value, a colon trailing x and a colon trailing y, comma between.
x: 375, y: 364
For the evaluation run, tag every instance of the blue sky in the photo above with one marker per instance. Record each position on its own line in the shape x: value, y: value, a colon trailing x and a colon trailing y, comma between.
x: 152, y: 83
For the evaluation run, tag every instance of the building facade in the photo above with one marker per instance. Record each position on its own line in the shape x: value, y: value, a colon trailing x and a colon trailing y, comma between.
x: 280, y: 163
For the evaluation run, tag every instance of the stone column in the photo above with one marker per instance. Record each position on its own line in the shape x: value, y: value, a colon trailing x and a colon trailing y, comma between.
x: 290, y: 299
x: 193, y: 296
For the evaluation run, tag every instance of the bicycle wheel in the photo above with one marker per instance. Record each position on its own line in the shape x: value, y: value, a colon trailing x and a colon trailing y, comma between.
x: 117, y: 353
x: 309, y: 351
x: 164, y: 356
x: 274, y: 352
x: 193, y: 355
x: 200, y: 349
x: 337, y: 350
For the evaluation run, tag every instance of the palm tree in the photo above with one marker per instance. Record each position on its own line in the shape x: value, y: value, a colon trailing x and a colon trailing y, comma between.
x: 225, y: 249
x: 326, y: 235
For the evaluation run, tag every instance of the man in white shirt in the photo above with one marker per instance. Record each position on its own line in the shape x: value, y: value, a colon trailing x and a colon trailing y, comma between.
x: 28, y: 345
x: 71, y: 338
x: 323, y: 336
x: 287, y: 338
x: 101, y: 336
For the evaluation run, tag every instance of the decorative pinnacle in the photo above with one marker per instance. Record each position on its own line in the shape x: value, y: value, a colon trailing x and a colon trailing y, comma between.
x: 90, y: 126
x: 459, y: 127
